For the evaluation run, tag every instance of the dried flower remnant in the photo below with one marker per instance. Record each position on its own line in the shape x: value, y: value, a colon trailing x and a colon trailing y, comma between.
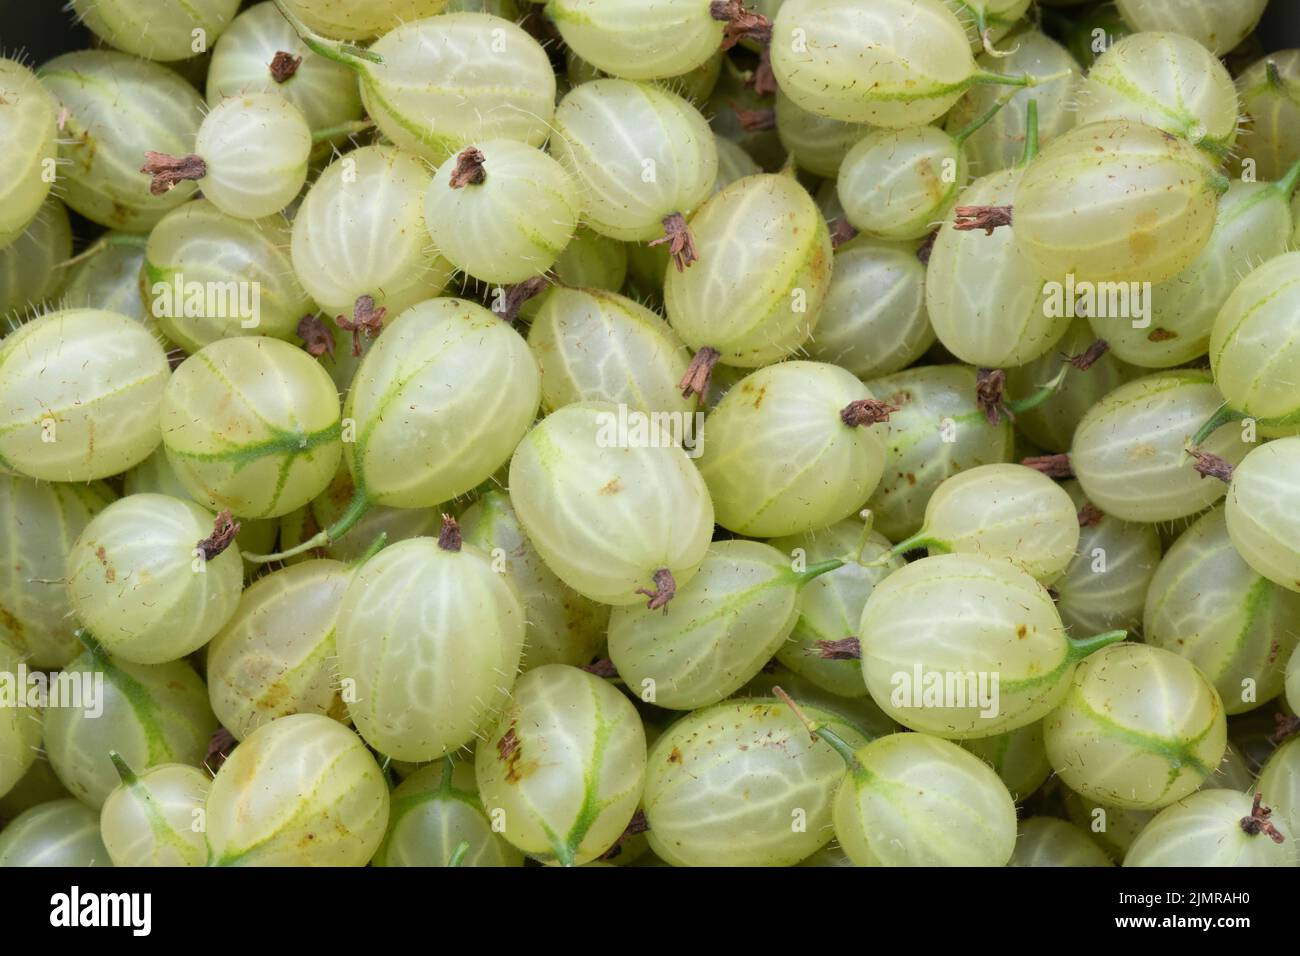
x: 366, y: 320
x: 842, y: 231
x: 681, y: 244
x: 987, y: 218
x: 284, y: 66
x: 517, y: 295
x: 168, y: 171
x: 1258, y: 822
x: 316, y: 336
x: 602, y: 668
x: 1090, y: 515
x: 741, y: 24
x: 469, y: 169
x: 866, y: 411
x: 224, y: 530
x: 664, y: 590
x: 755, y: 121
x: 1211, y: 466
x: 845, y: 649
x: 1089, y: 356
x: 990, y: 388
x: 449, y: 537
x: 1053, y: 466
x: 698, y: 373
x: 762, y: 80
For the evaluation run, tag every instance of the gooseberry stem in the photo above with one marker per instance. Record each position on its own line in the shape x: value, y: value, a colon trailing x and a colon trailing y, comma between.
x: 1216, y: 421
x: 1031, y: 132
x: 817, y: 570
x: 1081, y: 647
x: 821, y: 731
x: 349, y: 54
x: 980, y: 122
x: 381, y: 540
x: 1290, y: 179
x: 343, y: 129
x: 102, y: 243
x: 357, y: 507
x: 458, y: 854
x: 123, y: 769
x: 1023, y: 80
x: 1030, y: 402
x: 922, y: 539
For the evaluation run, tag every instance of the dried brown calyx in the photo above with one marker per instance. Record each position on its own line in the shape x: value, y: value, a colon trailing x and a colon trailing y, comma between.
x: 990, y: 397
x: 220, y: 745
x: 681, y: 244
x: 987, y: 218
x: 167, y: 170
x: 602, y: 668
x: 1053, y: 466
x: 1258, y: 822
x: 316, y: 336
x: 469, y: 169
x: 1090, y: 515
x: 1089, y: 356
x: 636, y: 826
x: 763, y: 81
x: 1212, y: 466
x: 224, y: 529
x: 741, y: 24
x: 664, y: 590
x: 449, y: 537
x: 698, y: 373
x: 842, y: 231
x: 927, y: 247
x: 517, y: 295
x: 845, y: 649
x: 866, y: 411
x: 284, y: 66
x: 1287, y: 726
x: 366, y: 320
x: 754, y: 121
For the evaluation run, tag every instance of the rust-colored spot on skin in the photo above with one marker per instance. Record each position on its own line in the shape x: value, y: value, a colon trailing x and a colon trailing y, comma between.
x: 509, y: 752
x: 110, y: 575
x: 1021, y: 631
x: 911, y: 478
x: 612, y: 487
x: 1161, y: 335
x: 675, y: 756
x: 1141, y: 242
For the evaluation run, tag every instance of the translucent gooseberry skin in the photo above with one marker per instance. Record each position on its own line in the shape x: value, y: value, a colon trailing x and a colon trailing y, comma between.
x: 255, y: 148
x: 27, y: 142
x: 91, y: 381
x: 566, y: 763
x: 1018, y: 757
x: 1252, y: 227
x: 637, y: 40
x: 593, y: 345
x: 637, y: 152
x: 964, y: 614
x: 1253, y: 349
x: 431, y: 640
x: 511, y: 226
x: 935, y: 403
x: 1140, y: 728
x: 987, y: 300
x: 276, y: 654
x: 778, y: 457
x: 360, y: 19
x: 874, y: 321
x: 1261, y: 512
x: 324, y: 90
x: 1046, y: 841
x: 30, y: 266
x: 459, y: 59
x: 606, y: 515
x: 1052, y: 425
x: 41, y: 522
x: 20, y: 726
x: 1205, y: 829
x: 817, y: 143
x: 154, y: 819
x: 895, y: 64
x: 1208, y: 605
x: 829, y: 607
x: 360, y: 231
x: 110, y: 280
x: 1217, y: 26
x: 1128, y: 451
x: 1112, y: 828
x: 301, y: 791
x: 1104, y: 587
x: 138, y: 581
x: 764, y: 269
x: 561, y: 626
x: 894, y: 184
x: 724, y: 783
x: 436, y: 809
x: 1167, y: 81
x: 156, y: 29
x: 1271, y: 132
x: 118, y: 107
x: 198, y: 248
x: 1279, y: 782
x: 923, y: 801
x: 722, y: 627
x: 252, y: 425
x: 1000, y: 144
x: 151, y: 714
x: 440, y: 402
x: 55, y: 833
x: 1116, y: 201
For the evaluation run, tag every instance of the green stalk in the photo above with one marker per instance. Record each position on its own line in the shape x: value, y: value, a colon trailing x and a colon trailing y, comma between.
x: 1031, y: 133
x: 980, y: 122
x: 922, y: 539
x: 123, y: 769
x: 458, y: 854
x: 1290, y: 179
x: 349, y: 54
x: 356, y: 509
x: 1030, y: 402
x: 1081, y: 647
x: 817, y: 570
x: 1023, y: 80
x: 822, y: 732
x: 375, y: 547
x: 102, y: 243
x: 1216, y: 421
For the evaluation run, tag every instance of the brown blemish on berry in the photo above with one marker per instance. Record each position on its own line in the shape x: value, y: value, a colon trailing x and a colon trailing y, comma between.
x: 1161, y: 335
x: 612, y: 487
x: 675, y: 756
x: 110, y: 575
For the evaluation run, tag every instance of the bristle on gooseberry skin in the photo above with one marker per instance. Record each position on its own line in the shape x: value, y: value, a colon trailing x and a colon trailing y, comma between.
x: 32, y: 269
x: 149, y: 819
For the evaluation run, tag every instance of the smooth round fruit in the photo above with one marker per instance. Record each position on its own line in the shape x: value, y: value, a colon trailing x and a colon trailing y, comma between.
x: 1208, y: 829
x: 429, y: 638
x: 565, y: 765
x: 156, y: 818
x: 80, y: 395
x: 608, y: 514
x: 636, y: 39
x: 360, y: 19
x: 20, y: 721
x: 1140, y: 728
x: 1218, y: 26
x: 743, y: 784
x: 817, y: 143
x: 140, y: 580
x: 301, y: 791
x: 1271, y: 133
x: 157, y: 29
x: 1261, y: 515
x: 779, y: 455
x: 110, y: 280
x: 251, y: 425
x: 1044, y: 841
x: 276, y: 655
x: 29, y: 146
x: 31, y: 266
x: 440, y: 402
x: 1018, y: 757
x: 1279, y: 783
x: 895, y: 184
x: 62, y: 833
x: 255, y: 148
